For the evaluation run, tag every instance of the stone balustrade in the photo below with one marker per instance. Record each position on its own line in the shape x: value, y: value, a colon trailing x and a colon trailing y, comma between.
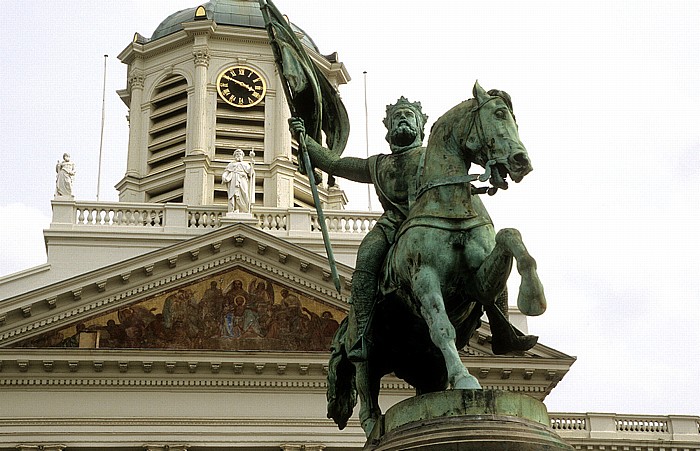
x: 581, y: 428
x: 84, y: 214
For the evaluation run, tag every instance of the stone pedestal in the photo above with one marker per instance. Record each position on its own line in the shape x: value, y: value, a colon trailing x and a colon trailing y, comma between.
x: 466, y: 420
x: 234, y: 218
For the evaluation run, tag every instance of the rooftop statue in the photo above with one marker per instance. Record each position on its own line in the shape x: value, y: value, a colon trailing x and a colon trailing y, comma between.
x: 239, y: 178
x: 433, y: 264
x: 65, y: 173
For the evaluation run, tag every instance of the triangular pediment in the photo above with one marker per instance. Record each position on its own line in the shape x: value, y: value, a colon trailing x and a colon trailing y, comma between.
x: 236, y: 309
x: 236, y: 288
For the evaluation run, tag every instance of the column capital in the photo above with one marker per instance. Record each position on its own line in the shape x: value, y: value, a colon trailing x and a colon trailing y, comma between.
x: 201, y: 57
x: 136, y: 80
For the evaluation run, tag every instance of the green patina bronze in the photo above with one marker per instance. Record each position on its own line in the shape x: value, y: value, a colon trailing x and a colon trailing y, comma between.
x: 433, y: 264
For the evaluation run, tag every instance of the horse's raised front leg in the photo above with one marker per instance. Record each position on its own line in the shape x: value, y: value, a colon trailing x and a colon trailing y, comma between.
x: 493, y: 273
x: 426, y: 287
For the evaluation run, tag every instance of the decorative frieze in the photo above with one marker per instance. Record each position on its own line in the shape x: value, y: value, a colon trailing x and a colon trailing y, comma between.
x: 51, y: 302
x: 101, y: 286
x: 26, y: 311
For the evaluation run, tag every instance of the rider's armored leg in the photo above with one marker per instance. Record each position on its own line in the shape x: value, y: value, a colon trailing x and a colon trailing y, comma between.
x: 370, y: 256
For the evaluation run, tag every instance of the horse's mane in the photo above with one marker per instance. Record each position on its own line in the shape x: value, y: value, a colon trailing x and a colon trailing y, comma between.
x: 458, y: 116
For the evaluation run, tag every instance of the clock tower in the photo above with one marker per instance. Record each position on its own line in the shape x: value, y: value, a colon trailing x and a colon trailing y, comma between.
x: 203, y: 85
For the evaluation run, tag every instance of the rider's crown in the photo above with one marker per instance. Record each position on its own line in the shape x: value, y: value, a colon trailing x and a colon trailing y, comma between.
x: 403, y: 102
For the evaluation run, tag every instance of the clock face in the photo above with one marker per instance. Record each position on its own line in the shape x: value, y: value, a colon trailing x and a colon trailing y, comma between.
x: 241, y: 86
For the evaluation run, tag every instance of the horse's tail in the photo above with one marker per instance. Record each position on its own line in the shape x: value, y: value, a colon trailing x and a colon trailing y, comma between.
x: 342, y: 392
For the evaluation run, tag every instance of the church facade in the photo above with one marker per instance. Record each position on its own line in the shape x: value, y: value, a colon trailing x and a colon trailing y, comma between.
x: 160, y: 322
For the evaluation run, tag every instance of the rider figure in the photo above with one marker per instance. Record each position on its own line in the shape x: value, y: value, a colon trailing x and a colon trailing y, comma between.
x: 394, y: 176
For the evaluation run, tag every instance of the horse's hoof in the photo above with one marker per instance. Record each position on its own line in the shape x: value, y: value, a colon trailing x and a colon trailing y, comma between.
x: 467, y: 382
x: 531, y: 300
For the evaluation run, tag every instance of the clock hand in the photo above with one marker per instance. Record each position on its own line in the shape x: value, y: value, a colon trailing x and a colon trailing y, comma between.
x: 240, y: 83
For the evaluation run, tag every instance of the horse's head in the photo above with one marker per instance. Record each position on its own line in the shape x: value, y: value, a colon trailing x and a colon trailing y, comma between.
x: 490, y: 137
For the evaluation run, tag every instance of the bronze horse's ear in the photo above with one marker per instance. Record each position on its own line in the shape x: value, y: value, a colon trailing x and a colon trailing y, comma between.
x: 478, y: 92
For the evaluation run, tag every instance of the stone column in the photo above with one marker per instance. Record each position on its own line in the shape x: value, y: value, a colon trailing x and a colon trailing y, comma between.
x: 136, y: 119
x: 199, y: 118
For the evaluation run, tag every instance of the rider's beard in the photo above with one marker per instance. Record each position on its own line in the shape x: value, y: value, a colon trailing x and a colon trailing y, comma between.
x: 403, y: 134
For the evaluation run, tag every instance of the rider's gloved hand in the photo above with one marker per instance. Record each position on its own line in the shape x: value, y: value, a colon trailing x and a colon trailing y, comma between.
x: 296, y: 126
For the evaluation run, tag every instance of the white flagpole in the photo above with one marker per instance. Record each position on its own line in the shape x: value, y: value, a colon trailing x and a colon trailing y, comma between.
x: 102, y: 128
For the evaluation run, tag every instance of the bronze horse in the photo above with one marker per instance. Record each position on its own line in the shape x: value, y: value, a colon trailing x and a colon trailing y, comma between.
x: 447, y: 266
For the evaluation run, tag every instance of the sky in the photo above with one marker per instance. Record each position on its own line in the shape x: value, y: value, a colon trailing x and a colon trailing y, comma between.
x: 605, y: 94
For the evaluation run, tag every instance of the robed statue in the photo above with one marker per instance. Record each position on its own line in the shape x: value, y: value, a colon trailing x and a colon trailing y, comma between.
x: 65, y: 174
x: 239, y: 178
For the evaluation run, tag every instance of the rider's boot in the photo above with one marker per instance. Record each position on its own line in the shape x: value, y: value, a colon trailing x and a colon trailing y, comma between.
x: 505, y: 337
x: 364, y: 291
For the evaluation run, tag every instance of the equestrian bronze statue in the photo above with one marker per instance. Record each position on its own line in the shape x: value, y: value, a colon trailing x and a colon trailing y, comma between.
x: 434, y: 264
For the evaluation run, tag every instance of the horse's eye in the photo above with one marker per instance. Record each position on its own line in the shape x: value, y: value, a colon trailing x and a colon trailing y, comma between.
x: 500, y: 114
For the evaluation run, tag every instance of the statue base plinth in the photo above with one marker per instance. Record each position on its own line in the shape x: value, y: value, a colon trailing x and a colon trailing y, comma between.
x: 466, y: 420
x: 234, y: 218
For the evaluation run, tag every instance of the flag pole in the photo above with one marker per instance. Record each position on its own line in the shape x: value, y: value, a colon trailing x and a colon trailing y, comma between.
x: 303, y: 151
x: 102, y: 128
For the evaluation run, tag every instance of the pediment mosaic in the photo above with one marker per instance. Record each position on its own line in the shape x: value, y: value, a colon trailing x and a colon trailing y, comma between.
x: 233, y: 310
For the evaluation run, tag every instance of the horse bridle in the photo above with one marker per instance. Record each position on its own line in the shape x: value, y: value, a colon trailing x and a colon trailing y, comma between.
x: 466, y: 178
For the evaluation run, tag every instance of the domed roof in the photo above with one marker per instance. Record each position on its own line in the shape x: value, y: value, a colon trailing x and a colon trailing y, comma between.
x: 241, y: 13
